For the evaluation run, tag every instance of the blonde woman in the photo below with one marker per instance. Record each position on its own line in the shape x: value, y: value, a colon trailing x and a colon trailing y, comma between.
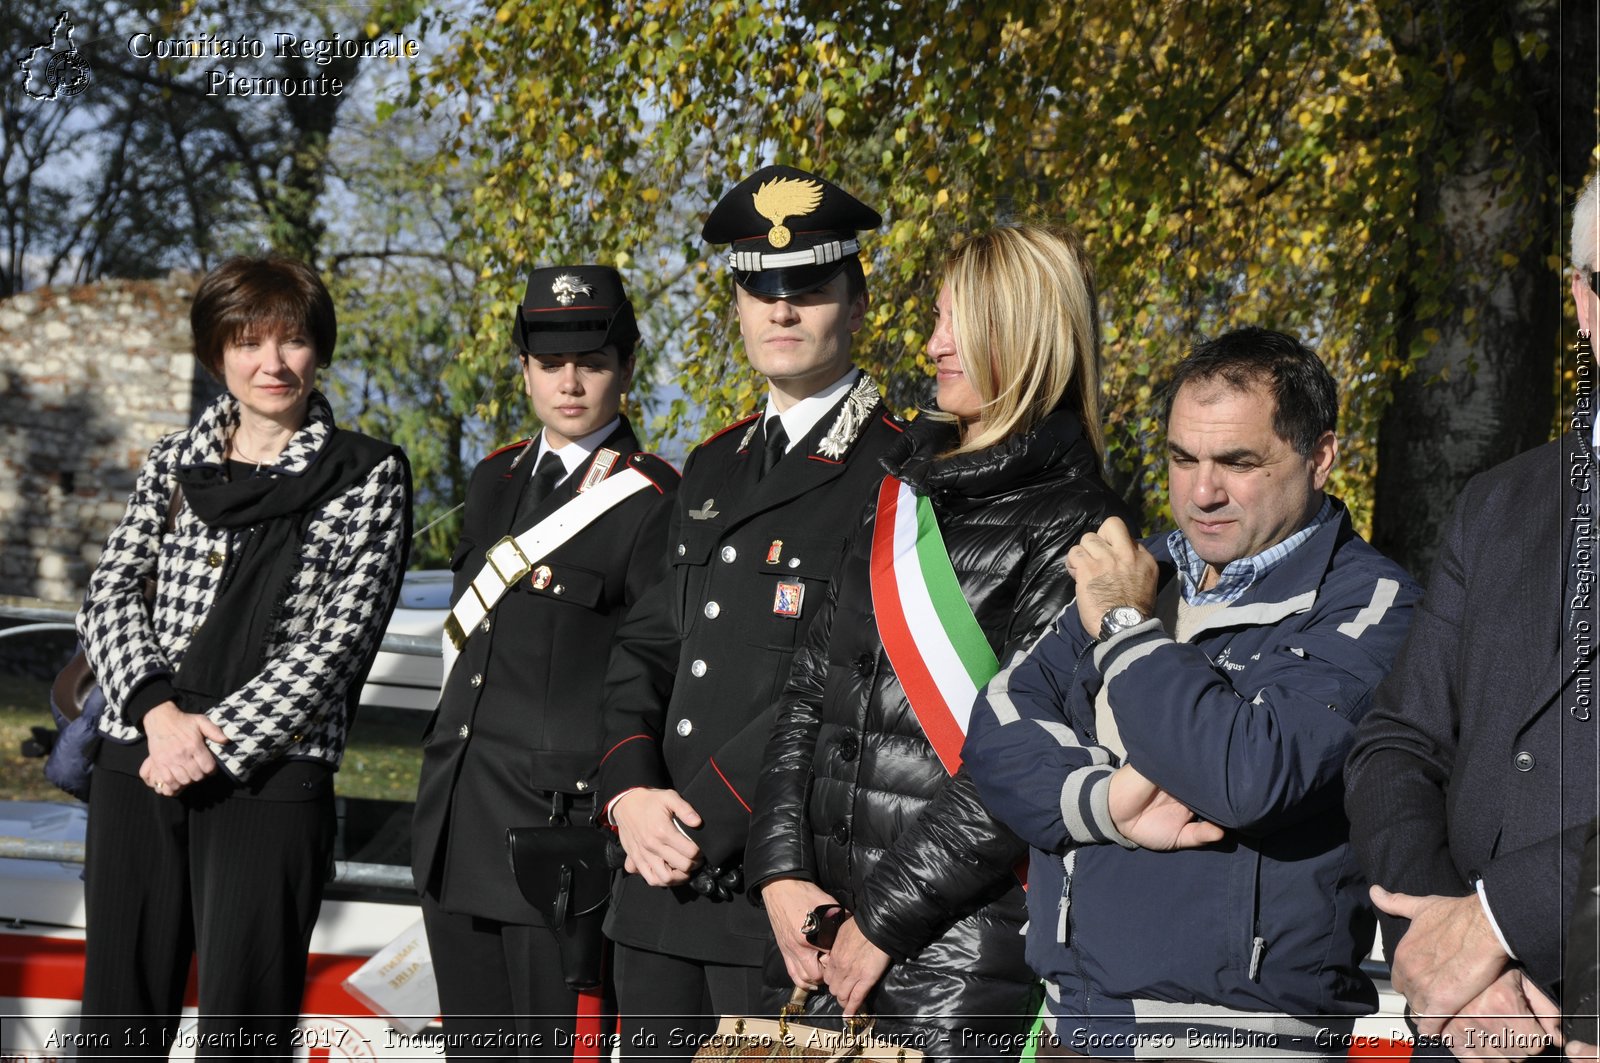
x: 886, y: 881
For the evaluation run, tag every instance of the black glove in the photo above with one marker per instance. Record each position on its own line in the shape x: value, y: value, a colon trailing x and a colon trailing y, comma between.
x: 718, y: 883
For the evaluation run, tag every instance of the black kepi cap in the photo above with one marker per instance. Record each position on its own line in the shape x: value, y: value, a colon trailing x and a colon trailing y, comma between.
x: 572, y: 310
x: 791, y: 230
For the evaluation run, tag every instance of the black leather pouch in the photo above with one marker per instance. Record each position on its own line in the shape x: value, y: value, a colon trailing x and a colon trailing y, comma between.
x: 561, y: 870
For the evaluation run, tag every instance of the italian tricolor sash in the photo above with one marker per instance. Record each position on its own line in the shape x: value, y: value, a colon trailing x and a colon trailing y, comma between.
x: 933, y: 641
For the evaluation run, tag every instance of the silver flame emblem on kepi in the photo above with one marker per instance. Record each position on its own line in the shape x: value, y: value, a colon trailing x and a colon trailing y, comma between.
x: 568, y: 287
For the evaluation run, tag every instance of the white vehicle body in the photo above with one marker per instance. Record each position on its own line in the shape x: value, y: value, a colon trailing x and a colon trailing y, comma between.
x: 41, y: 963
x: 409, y: 681
x: 41, y: 957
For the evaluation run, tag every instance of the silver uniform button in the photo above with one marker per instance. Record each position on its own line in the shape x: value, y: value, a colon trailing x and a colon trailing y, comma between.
x: 794, y: 562
x: 477, y: 679
x: 712, y: 610
x: 485, y: 625
x: 558, y: 589
x: 465, y: 730
x: 683, y: 548
x: 582, y: 786
x: 729, y: 553
x: 698, y: 669
x: 684, y: 728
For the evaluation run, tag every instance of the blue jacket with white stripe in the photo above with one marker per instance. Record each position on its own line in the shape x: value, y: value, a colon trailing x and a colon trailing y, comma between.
x: 1248, y: 723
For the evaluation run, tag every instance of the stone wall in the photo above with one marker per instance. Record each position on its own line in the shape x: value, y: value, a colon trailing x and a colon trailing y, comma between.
x: 90, y: 378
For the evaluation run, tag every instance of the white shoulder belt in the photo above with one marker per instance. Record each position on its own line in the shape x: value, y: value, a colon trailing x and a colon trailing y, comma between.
x: 510, y: 559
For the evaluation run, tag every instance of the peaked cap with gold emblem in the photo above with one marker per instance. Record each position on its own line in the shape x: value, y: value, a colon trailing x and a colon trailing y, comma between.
x: 791, y: 230
x: 573, y: 310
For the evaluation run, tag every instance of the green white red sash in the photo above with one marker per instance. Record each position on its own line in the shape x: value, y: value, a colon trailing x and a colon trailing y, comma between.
x: 938, y: 650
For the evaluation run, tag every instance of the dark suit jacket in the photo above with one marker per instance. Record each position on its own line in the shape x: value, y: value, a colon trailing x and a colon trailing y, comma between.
x: 1478, y: 758
x: 519, y: 715
x: 702, y: 661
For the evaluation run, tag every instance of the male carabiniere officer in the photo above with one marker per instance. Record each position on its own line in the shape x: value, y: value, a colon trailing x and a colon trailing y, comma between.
x: 517, y: 735
x: 762, y: 516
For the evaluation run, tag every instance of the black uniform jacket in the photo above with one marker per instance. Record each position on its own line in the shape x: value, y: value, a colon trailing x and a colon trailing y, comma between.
x: 701, y: 662
x: 1478, y: 758
x: 519, y: 716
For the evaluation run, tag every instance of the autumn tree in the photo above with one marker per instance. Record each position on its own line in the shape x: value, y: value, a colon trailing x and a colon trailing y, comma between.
x: 1504, y: 97
x: 149, y: 168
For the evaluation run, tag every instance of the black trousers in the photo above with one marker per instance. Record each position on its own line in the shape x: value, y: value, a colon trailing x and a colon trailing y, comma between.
x: 670, y: 1004
x: 502, y: 995
x: 236, y: 881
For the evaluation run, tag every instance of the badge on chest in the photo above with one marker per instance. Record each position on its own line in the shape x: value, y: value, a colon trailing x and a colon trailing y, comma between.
x: 786, y: 600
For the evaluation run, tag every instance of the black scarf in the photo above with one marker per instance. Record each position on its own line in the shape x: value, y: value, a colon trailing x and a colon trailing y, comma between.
x: 269, y: 516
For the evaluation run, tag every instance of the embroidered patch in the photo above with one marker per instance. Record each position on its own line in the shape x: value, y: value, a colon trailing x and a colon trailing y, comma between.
x: 786, y: 602
x: 599, y: 469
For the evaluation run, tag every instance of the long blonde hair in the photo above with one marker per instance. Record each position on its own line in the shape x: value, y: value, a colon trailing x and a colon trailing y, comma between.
x: 1027, y: 328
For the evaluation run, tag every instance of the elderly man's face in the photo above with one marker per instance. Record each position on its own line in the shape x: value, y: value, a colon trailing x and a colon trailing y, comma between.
x: 1586, y: 302
x: 1237, y: 486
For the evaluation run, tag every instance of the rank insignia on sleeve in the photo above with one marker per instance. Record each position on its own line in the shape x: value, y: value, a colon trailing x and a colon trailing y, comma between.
x: 775, y: 552
x: 786, y: 602
x: 541, y: 577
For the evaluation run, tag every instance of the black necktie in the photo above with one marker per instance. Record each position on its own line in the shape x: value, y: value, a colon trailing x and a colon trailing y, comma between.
x: 777, y: 442
x: 550, y: 472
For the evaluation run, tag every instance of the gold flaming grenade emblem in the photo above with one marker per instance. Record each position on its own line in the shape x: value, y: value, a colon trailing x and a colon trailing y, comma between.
x: 782, y: 198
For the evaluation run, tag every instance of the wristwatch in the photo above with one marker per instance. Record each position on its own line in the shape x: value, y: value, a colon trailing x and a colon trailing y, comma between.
x: 1120, y: 618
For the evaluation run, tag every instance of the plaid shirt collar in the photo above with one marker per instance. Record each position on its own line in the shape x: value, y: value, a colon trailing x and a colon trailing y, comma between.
x: 1237, y: 576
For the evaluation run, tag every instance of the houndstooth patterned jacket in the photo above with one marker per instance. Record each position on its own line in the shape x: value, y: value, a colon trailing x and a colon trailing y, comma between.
x: 332, y: 617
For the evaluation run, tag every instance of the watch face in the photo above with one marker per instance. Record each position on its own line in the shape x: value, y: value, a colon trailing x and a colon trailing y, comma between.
x: 1119, y: 618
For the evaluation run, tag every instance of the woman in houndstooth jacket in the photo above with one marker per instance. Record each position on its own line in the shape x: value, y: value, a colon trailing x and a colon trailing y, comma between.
x: 228, y: 693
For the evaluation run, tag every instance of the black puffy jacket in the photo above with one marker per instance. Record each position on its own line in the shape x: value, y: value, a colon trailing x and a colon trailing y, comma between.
x: 852, y: 795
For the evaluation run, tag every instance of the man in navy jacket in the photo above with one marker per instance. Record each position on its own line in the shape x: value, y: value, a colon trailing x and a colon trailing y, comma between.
x: 1192, y: 893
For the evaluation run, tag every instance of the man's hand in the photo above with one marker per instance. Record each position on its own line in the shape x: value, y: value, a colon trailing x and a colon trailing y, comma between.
x: 788, y: 900
x: 1447, y: 958
x: 179, y: 755
x: 656, y: 848
x: 1111, y: 569
x: 1152, y: 818
x: 1510, y: 1020
x: 853, y: 967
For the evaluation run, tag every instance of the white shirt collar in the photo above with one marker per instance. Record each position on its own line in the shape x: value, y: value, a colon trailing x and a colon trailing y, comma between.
x: 574, y: 454
x: 802, y: 417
